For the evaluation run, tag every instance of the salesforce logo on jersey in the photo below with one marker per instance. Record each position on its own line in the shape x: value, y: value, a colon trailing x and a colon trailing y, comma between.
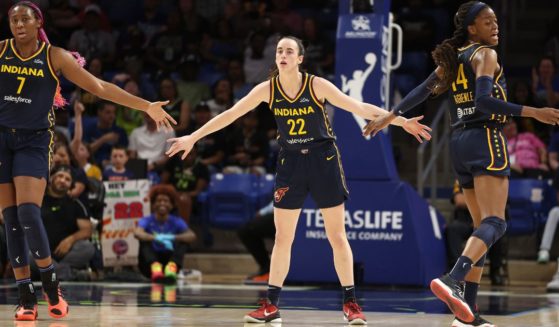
x: 359, y: 27
x: 362, y: 225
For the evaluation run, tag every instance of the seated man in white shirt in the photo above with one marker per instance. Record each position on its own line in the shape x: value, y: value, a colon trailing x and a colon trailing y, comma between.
x: 147, y: 143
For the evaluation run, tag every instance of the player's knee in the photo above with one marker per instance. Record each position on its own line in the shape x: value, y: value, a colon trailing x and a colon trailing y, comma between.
x: 490, y: 230
x: 29, y: 214
x: 337, y: 240
x: 10, y: 217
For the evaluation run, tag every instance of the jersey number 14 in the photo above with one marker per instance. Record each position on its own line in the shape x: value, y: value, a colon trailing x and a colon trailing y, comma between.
x: 460, y: 79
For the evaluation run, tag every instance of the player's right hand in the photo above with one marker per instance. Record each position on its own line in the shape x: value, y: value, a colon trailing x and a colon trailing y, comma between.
x: 547, y: 115
x: 183, y: 143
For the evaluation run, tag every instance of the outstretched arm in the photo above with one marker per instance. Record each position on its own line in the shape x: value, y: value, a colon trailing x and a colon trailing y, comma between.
x: 259, y: 93
x: 416, y: 96
x: 328, y: 91
x: 64, y: 62
x: 485, y: 64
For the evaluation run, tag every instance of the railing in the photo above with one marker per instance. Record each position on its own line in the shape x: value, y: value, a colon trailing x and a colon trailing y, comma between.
x: 439, y: 141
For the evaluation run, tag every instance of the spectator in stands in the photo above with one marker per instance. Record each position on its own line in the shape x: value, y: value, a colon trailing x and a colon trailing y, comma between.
x: 163, y: 237
x: 89, y: 100
x: 553, y: 216
x: 67, y: 224
x: 236, y: 76
x: 117, y: 170
x: 459, y: 230
x: 219, y: 45
x: 222, y: 97
x: 283, y: 12
x: 190, y: 177
x: 91, y: 41
x: 319, y: 53
x: 167, y: 46
x: 190, y: 88
x: 527, y: 153
x: 248, y: 147
x: 252, y: 234
x: 62, y: 155
x: 125, y: 118
x: 545, y: 82
x: 256, y: 64
x: 105, y: 134
x: 147, y: 143
x: 211, y: 149
x: 195, y: 24
x: 81, y: 150
x: 177, y: 107
x: 151, y: 20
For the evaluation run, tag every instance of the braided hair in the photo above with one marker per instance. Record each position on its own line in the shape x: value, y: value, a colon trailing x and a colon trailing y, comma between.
x: 59, y: 100
x: 445, y: 54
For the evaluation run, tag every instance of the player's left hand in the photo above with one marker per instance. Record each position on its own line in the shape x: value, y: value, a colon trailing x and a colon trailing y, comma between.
x: 183, y: 143
x: 378, y: 124
x: 418, y: 130
x: 160, y: 116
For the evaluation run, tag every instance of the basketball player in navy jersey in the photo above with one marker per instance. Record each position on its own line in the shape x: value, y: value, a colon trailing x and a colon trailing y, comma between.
x: 28, y: 87
x: 309, y: 162
x: 468, y: 67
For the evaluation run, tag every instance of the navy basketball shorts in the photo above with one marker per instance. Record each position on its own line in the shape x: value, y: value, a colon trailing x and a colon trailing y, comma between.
x: 25, y: 153
x: 478, y: 151
x: 316, y: 171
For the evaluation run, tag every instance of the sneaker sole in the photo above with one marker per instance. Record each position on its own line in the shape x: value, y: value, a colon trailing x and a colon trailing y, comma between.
x: 460, y: 309
x: 457, y: 323
x: 27, y: 318
x: 355, y: 322
x: 249, y: 319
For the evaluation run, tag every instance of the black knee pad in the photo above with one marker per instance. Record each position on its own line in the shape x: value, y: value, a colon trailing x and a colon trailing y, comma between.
x: 490, y: 230
x: 29, y: 215
x: 15, y: 239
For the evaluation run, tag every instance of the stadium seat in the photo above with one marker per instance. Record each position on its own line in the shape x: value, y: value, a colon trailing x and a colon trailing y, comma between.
x: 233, y: 199
x: 526, y: 205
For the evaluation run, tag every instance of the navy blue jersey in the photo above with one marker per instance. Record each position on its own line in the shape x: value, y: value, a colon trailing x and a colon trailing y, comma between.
x: 463, y: 91
x: 27, y: 88
x: 302, y: 121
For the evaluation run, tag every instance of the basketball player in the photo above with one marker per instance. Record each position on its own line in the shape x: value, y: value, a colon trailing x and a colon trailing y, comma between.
x: 28, y: 83
x: 468, y: 67
x: 309, y: 162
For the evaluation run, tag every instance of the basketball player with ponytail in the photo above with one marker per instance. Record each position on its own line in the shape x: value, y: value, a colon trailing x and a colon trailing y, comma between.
x: 468, y: 68
x: 308, y: 162
x: 29, y: 92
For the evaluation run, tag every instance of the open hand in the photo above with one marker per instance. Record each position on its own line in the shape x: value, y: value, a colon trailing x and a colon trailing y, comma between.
x: 547, y: 115
x: 160, y: 116
x: 376, y: 125
x: 418, y: 130
x: 183, y: 143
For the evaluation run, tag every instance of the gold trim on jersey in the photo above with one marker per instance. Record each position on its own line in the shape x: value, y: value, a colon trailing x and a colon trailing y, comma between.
x: 467, y: 47
x: 30, y: 57
x: 51, y: 150
x: 341, y: 168
x: 321, y: 106
x: 4, y: 48
x: 51, y: 69
x: 270, y: 104
x: 498, y: 85
x: 476, y: 50
x: 313, y: 96
x: 502, y: 146
x: 301, y: 91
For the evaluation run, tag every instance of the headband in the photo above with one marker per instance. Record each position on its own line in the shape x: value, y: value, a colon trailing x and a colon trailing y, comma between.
x: 472, y: 13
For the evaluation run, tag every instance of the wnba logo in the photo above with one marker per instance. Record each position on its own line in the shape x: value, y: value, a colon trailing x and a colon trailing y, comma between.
x: 279, y: 193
